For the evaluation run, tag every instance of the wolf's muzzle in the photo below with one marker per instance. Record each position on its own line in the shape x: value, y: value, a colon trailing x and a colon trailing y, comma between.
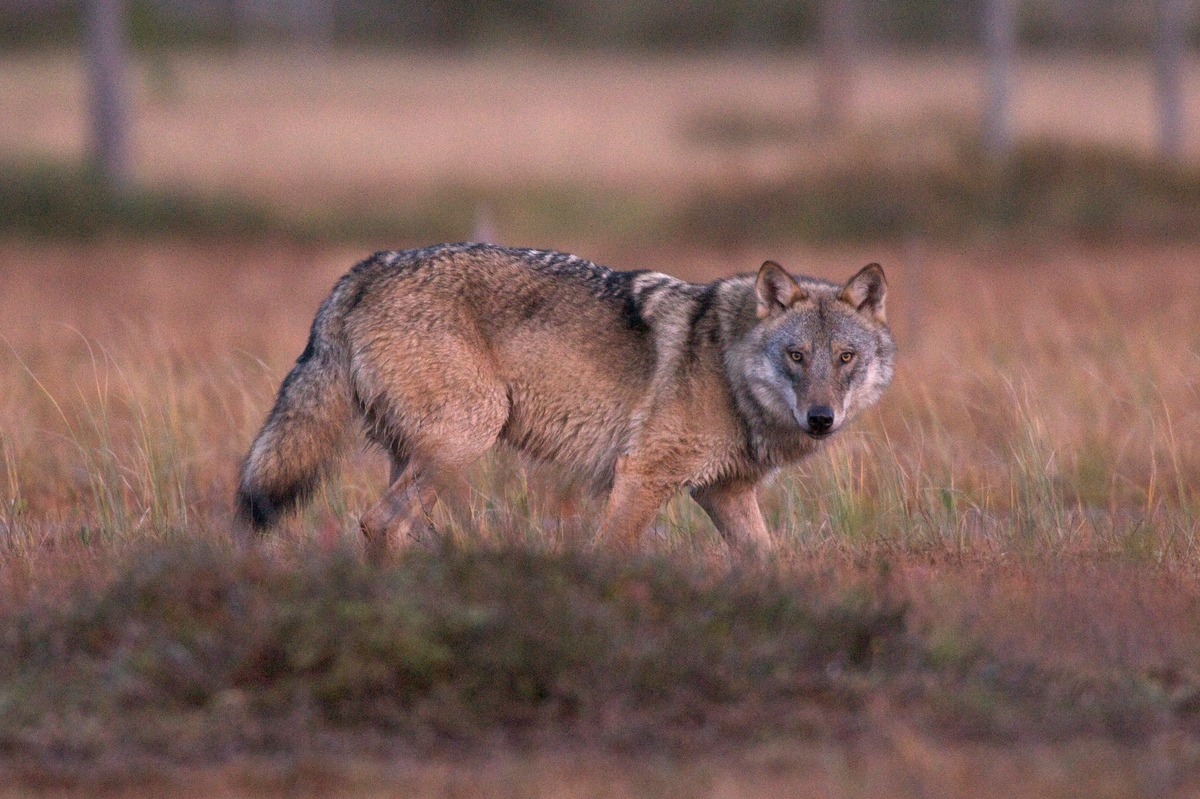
x: 820, y: 420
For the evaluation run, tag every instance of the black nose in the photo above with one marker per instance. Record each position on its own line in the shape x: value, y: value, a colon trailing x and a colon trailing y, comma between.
x: 820, y: 419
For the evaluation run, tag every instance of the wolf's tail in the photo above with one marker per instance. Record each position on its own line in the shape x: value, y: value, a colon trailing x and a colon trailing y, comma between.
x: 304, y: 436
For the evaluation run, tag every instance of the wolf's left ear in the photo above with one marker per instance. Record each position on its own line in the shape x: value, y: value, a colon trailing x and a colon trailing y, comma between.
x: 867, y: 292
x: 775, y: 290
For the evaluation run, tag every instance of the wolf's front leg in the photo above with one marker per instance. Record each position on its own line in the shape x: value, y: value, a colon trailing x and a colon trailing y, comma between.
x: 733, y: 508
x: 636, y: 496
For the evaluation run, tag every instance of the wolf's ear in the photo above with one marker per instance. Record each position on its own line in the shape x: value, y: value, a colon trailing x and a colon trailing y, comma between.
x: 775, y: 290
x: 867, y: 292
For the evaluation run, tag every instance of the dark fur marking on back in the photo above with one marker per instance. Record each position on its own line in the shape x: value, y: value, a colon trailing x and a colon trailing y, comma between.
x: 704, y: 302
x: 360, y: 291
x: 631, y: 314
x: 295, y: 374
x: 603, y: 282
x: 532, y: 305
x: 310, y: 349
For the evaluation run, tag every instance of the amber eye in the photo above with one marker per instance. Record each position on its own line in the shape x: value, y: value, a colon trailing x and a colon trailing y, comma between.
x: 796, y: 355
x: 847, y: 356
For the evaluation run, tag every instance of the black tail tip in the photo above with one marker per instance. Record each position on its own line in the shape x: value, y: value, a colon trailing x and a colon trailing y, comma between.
x: 257, y: 510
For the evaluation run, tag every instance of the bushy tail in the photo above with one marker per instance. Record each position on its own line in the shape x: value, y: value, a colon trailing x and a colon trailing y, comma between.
x: 306, y: 432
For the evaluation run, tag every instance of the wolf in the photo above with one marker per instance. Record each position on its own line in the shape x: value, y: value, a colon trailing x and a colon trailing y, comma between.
x: 639, y: 384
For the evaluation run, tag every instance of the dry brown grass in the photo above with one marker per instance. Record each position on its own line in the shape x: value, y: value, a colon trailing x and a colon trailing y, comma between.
x: 1049, y: 379
x: 1030, y: 482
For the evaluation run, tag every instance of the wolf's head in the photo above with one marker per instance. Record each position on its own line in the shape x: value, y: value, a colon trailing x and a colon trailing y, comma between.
x: 820, y: 352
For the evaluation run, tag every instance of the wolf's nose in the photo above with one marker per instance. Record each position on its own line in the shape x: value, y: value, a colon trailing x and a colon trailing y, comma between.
x: 820, y: 419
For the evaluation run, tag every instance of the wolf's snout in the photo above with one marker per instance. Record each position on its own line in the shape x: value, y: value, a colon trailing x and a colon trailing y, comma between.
x: 820, y: 419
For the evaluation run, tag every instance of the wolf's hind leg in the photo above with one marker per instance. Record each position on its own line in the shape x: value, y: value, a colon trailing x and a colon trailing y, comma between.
x: 447, y: 442
x: 403, y: 510
x: 734, y: 511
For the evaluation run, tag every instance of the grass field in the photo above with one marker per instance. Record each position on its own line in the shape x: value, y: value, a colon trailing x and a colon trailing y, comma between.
x: 1050, y: 384
x: 1024, y: 499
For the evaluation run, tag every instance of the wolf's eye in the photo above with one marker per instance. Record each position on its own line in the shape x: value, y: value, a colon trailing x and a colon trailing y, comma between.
x: 796, y: 355
x: 846, y: 357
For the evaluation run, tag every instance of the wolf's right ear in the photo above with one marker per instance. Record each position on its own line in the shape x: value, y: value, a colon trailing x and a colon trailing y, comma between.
x: 867, y: 292
x: 775, y: 290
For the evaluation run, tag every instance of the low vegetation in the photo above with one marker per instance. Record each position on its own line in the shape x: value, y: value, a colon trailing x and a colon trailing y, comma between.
x: 186, y: 652
x: 1044, y: 189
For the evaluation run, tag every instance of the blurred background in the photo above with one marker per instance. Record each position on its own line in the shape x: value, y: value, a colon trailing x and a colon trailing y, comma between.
x: 539, y: 121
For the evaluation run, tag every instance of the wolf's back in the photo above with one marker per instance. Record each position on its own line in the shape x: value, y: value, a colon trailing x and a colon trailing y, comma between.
x: 306, y: 431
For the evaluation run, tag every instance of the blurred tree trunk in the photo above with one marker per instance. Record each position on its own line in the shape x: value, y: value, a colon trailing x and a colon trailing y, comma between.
x: 314, y: 21
x: 1169, y: 49
x: 241, y: 14
x: 108, y: 102
x: 999, y: 46
x: 835, y: 65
